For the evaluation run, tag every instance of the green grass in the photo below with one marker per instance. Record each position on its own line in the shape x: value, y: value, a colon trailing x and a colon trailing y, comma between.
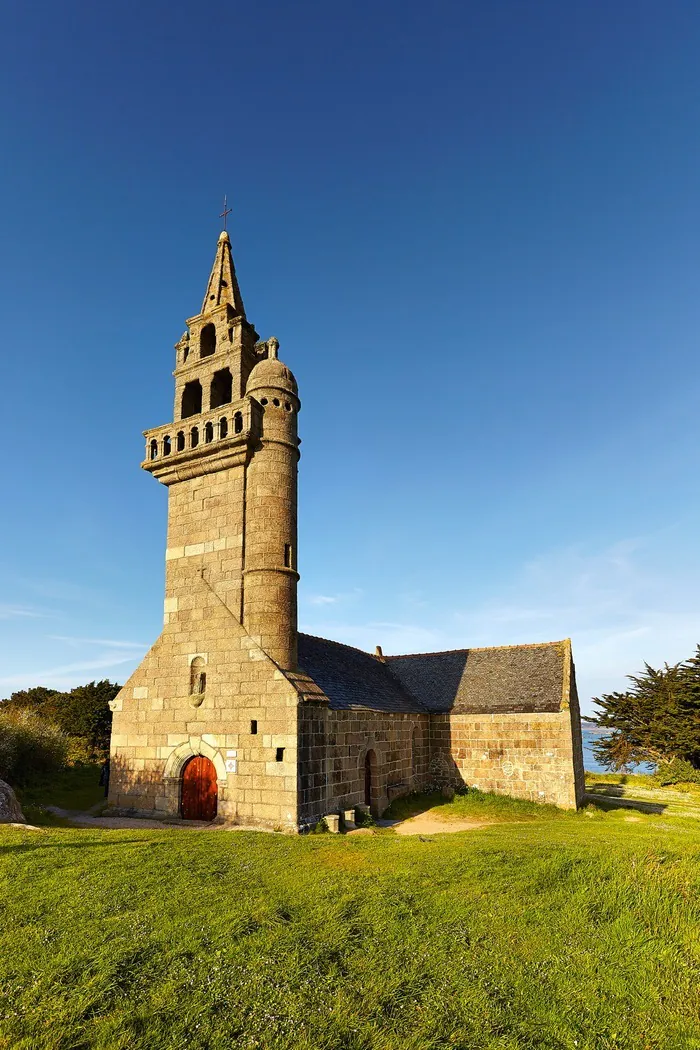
x: 472, y: 805
x: 567, y: 932
x: 644, y: 793
x: 643, y: 780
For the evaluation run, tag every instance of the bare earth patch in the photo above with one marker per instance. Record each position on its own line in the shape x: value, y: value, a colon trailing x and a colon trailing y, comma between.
x: 429, y: 823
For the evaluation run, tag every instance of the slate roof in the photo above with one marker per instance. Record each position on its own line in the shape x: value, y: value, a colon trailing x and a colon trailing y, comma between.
x: 514, y: 678
x: 351, y: 678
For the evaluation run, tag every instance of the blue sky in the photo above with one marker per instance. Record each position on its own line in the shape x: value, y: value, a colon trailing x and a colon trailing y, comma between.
x: 473, y: 228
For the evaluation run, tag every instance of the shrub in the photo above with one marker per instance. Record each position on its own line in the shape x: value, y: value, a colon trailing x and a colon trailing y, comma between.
x: 31, y: 748
x: 677, y: 772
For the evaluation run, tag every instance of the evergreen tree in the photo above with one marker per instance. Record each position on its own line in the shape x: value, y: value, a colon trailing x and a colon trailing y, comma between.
x: 657, y: 720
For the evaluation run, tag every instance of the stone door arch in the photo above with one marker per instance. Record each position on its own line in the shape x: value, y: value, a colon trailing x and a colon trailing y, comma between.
x: 176, y: 765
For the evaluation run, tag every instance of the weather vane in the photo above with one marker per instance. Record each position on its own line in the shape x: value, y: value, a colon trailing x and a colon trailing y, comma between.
x: 226, y: 212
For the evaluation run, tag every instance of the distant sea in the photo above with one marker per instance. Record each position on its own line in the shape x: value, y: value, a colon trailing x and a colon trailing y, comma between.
x: 590, y: 733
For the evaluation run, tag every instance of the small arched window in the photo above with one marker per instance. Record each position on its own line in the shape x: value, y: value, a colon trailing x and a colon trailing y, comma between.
x: 194, y: 437
x: 209, y: 432
x: 223, y: 427
x: 180, y: 442
x: 166, y: 445
x: 198, y: 676
x: 207, y: 341
x: 238, y: 423
x: 154, y: 448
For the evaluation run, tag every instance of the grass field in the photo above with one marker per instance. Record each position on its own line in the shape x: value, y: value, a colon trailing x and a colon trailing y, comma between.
x: 543, y: 930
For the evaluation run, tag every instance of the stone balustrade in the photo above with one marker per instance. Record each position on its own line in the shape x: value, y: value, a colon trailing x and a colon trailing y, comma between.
x: 224, y: 423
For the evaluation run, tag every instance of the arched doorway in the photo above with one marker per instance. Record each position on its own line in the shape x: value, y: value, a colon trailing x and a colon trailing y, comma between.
x: 370, y: 778
x: 199, y: 789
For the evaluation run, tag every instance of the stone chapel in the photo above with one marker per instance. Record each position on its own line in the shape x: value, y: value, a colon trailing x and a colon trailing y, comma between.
x: 235, y: 715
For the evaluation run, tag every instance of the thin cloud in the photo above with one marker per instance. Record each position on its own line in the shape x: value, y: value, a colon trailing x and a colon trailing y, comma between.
x: 111, y: 643
x: 17, y: 612
x: 333, y: 599
x: 622, y: 605
x: 66, y: 674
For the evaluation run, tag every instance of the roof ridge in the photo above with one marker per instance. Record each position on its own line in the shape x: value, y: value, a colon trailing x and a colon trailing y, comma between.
x: 344, y: 645
x: 480, y: 649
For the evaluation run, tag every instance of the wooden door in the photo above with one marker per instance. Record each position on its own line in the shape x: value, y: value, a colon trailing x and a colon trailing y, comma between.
x: 199, y: 789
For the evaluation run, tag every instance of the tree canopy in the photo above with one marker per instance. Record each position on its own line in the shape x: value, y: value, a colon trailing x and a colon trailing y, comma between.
x: 656, y: 720
x: 82, y: 713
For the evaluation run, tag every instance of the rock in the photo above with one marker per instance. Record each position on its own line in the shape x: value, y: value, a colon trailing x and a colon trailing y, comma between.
x: 448, y: 792
x: 10, y: 812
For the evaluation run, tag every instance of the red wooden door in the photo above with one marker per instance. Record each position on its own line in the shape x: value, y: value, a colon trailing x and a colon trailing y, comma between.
x: 199, y: 789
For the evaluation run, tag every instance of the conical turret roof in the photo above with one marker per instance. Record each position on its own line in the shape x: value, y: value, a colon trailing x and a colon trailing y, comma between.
x: 223, y: 285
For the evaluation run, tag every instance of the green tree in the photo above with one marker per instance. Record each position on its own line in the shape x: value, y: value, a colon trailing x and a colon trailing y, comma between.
x: 34, y: 699
x: 31, y: 746
x: 657, y: 720
x: 83, y: 714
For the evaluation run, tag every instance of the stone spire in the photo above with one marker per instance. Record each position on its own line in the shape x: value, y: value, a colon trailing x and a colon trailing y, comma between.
x: 223, y: 286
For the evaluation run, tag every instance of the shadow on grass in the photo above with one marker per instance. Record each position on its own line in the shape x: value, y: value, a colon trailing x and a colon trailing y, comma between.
x: 613, y: 790
x: 413, y: 805
x: 471, y: 804
x: 26, y: 847
x: 608, y: 798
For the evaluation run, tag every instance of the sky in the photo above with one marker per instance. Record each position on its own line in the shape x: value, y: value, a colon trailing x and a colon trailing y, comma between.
x: 473, y: 228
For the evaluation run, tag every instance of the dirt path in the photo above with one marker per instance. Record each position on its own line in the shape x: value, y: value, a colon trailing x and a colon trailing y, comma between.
x: 429, y: 823
x: 422, y: 824
x: 87, y: 820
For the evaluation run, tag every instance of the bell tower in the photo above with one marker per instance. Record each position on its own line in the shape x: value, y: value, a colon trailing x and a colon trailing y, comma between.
x: 211, y: 711
x: 229, y: 460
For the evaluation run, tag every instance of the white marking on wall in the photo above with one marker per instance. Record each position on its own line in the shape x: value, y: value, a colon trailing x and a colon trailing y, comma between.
x: 206, y: 547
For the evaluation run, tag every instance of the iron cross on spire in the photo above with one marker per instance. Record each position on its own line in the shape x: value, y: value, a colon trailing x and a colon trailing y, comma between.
x: 226, y: 212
